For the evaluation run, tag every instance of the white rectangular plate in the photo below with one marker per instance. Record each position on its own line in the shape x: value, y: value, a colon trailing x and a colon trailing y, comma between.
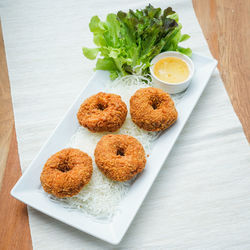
x: 27, y: 189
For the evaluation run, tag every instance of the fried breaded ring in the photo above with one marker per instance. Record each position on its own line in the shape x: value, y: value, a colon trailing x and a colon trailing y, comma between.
x: 66, y: 172
x: 120, y: 157
x: 152, y: 109
x: 102, y: 112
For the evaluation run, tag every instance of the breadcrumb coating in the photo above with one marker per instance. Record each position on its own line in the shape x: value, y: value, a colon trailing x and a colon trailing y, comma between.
x: 102, y: 112
x: 120, y: 157
x: 66, y: 172
x: 152, y: 109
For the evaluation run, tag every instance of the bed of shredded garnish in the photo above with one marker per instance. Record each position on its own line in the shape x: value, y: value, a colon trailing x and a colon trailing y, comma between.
x: 101, y: 197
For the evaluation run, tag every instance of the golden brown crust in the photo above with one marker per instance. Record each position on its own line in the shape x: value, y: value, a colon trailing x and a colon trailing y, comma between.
x: 120, y: 157
x: 66, y: 172
x: 102, y: 112
x: 152, y: 109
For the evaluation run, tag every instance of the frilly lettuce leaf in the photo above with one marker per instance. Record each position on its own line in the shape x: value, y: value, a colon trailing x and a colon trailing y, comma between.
x: 90, y: 53
x: 127, y: 42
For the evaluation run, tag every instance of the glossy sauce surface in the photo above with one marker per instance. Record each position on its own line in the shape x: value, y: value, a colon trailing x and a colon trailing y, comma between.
x: 171, y: 70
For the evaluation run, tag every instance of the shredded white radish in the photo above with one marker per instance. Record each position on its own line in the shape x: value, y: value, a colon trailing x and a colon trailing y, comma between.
x: 101, y: 197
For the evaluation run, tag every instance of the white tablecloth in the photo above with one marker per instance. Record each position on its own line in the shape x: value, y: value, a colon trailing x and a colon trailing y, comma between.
x: 200, y: 199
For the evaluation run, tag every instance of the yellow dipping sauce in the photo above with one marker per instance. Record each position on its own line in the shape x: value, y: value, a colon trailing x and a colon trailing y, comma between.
x: 171, y: 70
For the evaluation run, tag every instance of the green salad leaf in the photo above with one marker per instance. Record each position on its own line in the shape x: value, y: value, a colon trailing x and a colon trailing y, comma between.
x: 127, y: 42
